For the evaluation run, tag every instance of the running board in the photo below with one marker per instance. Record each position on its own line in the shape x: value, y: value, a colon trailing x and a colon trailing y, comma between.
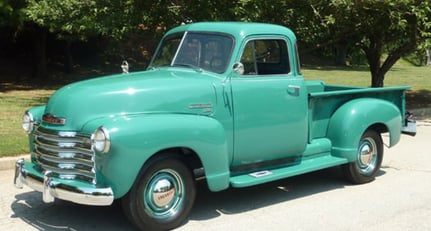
x: 269, y: 175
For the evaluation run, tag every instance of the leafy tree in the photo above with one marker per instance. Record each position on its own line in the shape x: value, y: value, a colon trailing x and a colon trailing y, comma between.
x: 11, y: 13
x: 73, y: 20
x: 12, y: 18
x: 12, y: 27
x: 384, y: 30
x: 161, y: 15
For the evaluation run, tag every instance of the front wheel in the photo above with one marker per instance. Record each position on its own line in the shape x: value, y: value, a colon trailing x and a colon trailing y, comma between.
x: 162, y: 195
x: 368, y: 159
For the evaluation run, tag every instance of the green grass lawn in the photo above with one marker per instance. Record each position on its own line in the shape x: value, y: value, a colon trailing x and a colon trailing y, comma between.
x: 13, y: 104
x: 14, y: 100
x: 401, y: 74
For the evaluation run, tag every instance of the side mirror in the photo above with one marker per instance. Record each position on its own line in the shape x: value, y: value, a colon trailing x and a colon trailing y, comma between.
x: 125, y: 67
x: 238, y: 68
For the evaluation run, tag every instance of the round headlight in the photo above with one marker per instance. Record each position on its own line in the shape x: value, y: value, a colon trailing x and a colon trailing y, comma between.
x: 27, y: 122
x: 100, y: 139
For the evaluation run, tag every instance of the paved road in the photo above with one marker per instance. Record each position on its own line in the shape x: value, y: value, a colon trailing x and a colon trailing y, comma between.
x: 399, y: 199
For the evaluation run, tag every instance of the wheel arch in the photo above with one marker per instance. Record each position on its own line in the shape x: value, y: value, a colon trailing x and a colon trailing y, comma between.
x: 189, y: 156
x: 216, y: 180
x: 352, y: 119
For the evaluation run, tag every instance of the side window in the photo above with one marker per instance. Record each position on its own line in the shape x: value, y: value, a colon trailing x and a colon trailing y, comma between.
x: 266, y: 57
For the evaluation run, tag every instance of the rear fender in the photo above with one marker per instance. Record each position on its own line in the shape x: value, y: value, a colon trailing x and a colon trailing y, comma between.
x: 135, y: 139
x: 352, y: 119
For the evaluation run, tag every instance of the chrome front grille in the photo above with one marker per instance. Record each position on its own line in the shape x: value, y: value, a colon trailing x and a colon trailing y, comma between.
x: 68, y: 155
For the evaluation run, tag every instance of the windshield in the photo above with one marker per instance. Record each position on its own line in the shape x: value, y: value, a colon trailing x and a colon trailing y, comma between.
x: 206, y: 51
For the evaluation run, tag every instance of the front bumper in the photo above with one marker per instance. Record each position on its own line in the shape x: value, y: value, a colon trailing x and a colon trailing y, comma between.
x: 51, y: 187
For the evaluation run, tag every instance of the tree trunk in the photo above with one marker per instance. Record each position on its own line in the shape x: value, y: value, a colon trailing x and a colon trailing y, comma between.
x: 428, y: 54
x: 341, y: 54
x: 377, y: 76
x: 377, y: 79
x: 373, y: 54
x: 68, y: 62
x: 39, y: 53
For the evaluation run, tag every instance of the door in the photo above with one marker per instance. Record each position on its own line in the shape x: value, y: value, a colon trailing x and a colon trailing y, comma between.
x: 270, y: 105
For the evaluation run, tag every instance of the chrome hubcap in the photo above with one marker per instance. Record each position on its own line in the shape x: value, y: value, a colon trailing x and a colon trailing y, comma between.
x: 367, y: 156
x: 164, y: 194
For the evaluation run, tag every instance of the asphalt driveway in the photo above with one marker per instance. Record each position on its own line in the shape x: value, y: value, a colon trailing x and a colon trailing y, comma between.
x: 399, y: 199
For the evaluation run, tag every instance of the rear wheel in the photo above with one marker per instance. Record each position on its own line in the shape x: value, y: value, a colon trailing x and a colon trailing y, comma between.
x: 368, y: 159
x: 162, y: 195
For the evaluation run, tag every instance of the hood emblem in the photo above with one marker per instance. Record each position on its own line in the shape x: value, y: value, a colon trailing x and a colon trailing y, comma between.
x: 200, y: 105
x: 206, y: 107
x: 52, y: 119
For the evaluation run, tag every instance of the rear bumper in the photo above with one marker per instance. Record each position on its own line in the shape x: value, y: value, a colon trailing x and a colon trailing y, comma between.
x: 410, y: 128
x: 51, y: 187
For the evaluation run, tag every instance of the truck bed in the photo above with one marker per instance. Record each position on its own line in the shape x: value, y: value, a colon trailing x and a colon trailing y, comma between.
x: 324, y: 100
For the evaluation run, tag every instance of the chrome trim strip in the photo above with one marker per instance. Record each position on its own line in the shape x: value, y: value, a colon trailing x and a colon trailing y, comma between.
x: 51, y: 188
x: 200, y: 105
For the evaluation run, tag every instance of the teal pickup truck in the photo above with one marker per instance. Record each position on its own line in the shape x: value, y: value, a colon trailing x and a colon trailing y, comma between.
x: 221, y: 101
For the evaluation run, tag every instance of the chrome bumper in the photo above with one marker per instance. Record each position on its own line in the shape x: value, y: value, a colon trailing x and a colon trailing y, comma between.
x: 410, y: 128
x: 52, y: 188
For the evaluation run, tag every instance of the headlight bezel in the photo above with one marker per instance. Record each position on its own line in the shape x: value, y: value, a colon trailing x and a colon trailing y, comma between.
x: 27, y: 122
x: 101, y: 140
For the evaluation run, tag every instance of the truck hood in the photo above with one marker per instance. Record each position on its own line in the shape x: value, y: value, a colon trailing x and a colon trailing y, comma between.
x: 166, y: 90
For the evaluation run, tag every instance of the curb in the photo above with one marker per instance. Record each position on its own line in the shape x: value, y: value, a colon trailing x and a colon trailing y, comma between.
x: 8, y: 162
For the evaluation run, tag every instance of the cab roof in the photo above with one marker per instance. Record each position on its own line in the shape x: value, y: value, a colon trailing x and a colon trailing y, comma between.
x: 239, y: 30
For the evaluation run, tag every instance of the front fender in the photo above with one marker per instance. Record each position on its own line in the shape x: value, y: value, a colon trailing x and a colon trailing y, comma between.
x: 352, y: 119
x: 37, y: 112
x: 134, y: 139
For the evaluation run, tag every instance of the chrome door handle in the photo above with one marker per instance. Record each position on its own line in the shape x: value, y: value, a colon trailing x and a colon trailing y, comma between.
x: 293, y: 90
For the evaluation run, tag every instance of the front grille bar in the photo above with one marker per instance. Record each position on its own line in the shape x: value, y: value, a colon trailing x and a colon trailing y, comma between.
x: 68, y: 155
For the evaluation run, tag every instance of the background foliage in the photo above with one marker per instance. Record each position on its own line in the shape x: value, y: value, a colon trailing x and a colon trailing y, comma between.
x: 48, y: 34
x: 52, y: 42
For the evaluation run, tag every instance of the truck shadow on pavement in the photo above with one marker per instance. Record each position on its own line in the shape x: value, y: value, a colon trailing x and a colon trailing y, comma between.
x: 63, y: 215
x: 237, y: 200
x: 210, y: 205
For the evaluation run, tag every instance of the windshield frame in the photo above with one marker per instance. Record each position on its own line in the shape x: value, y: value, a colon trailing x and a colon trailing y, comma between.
x: 208, y: 41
